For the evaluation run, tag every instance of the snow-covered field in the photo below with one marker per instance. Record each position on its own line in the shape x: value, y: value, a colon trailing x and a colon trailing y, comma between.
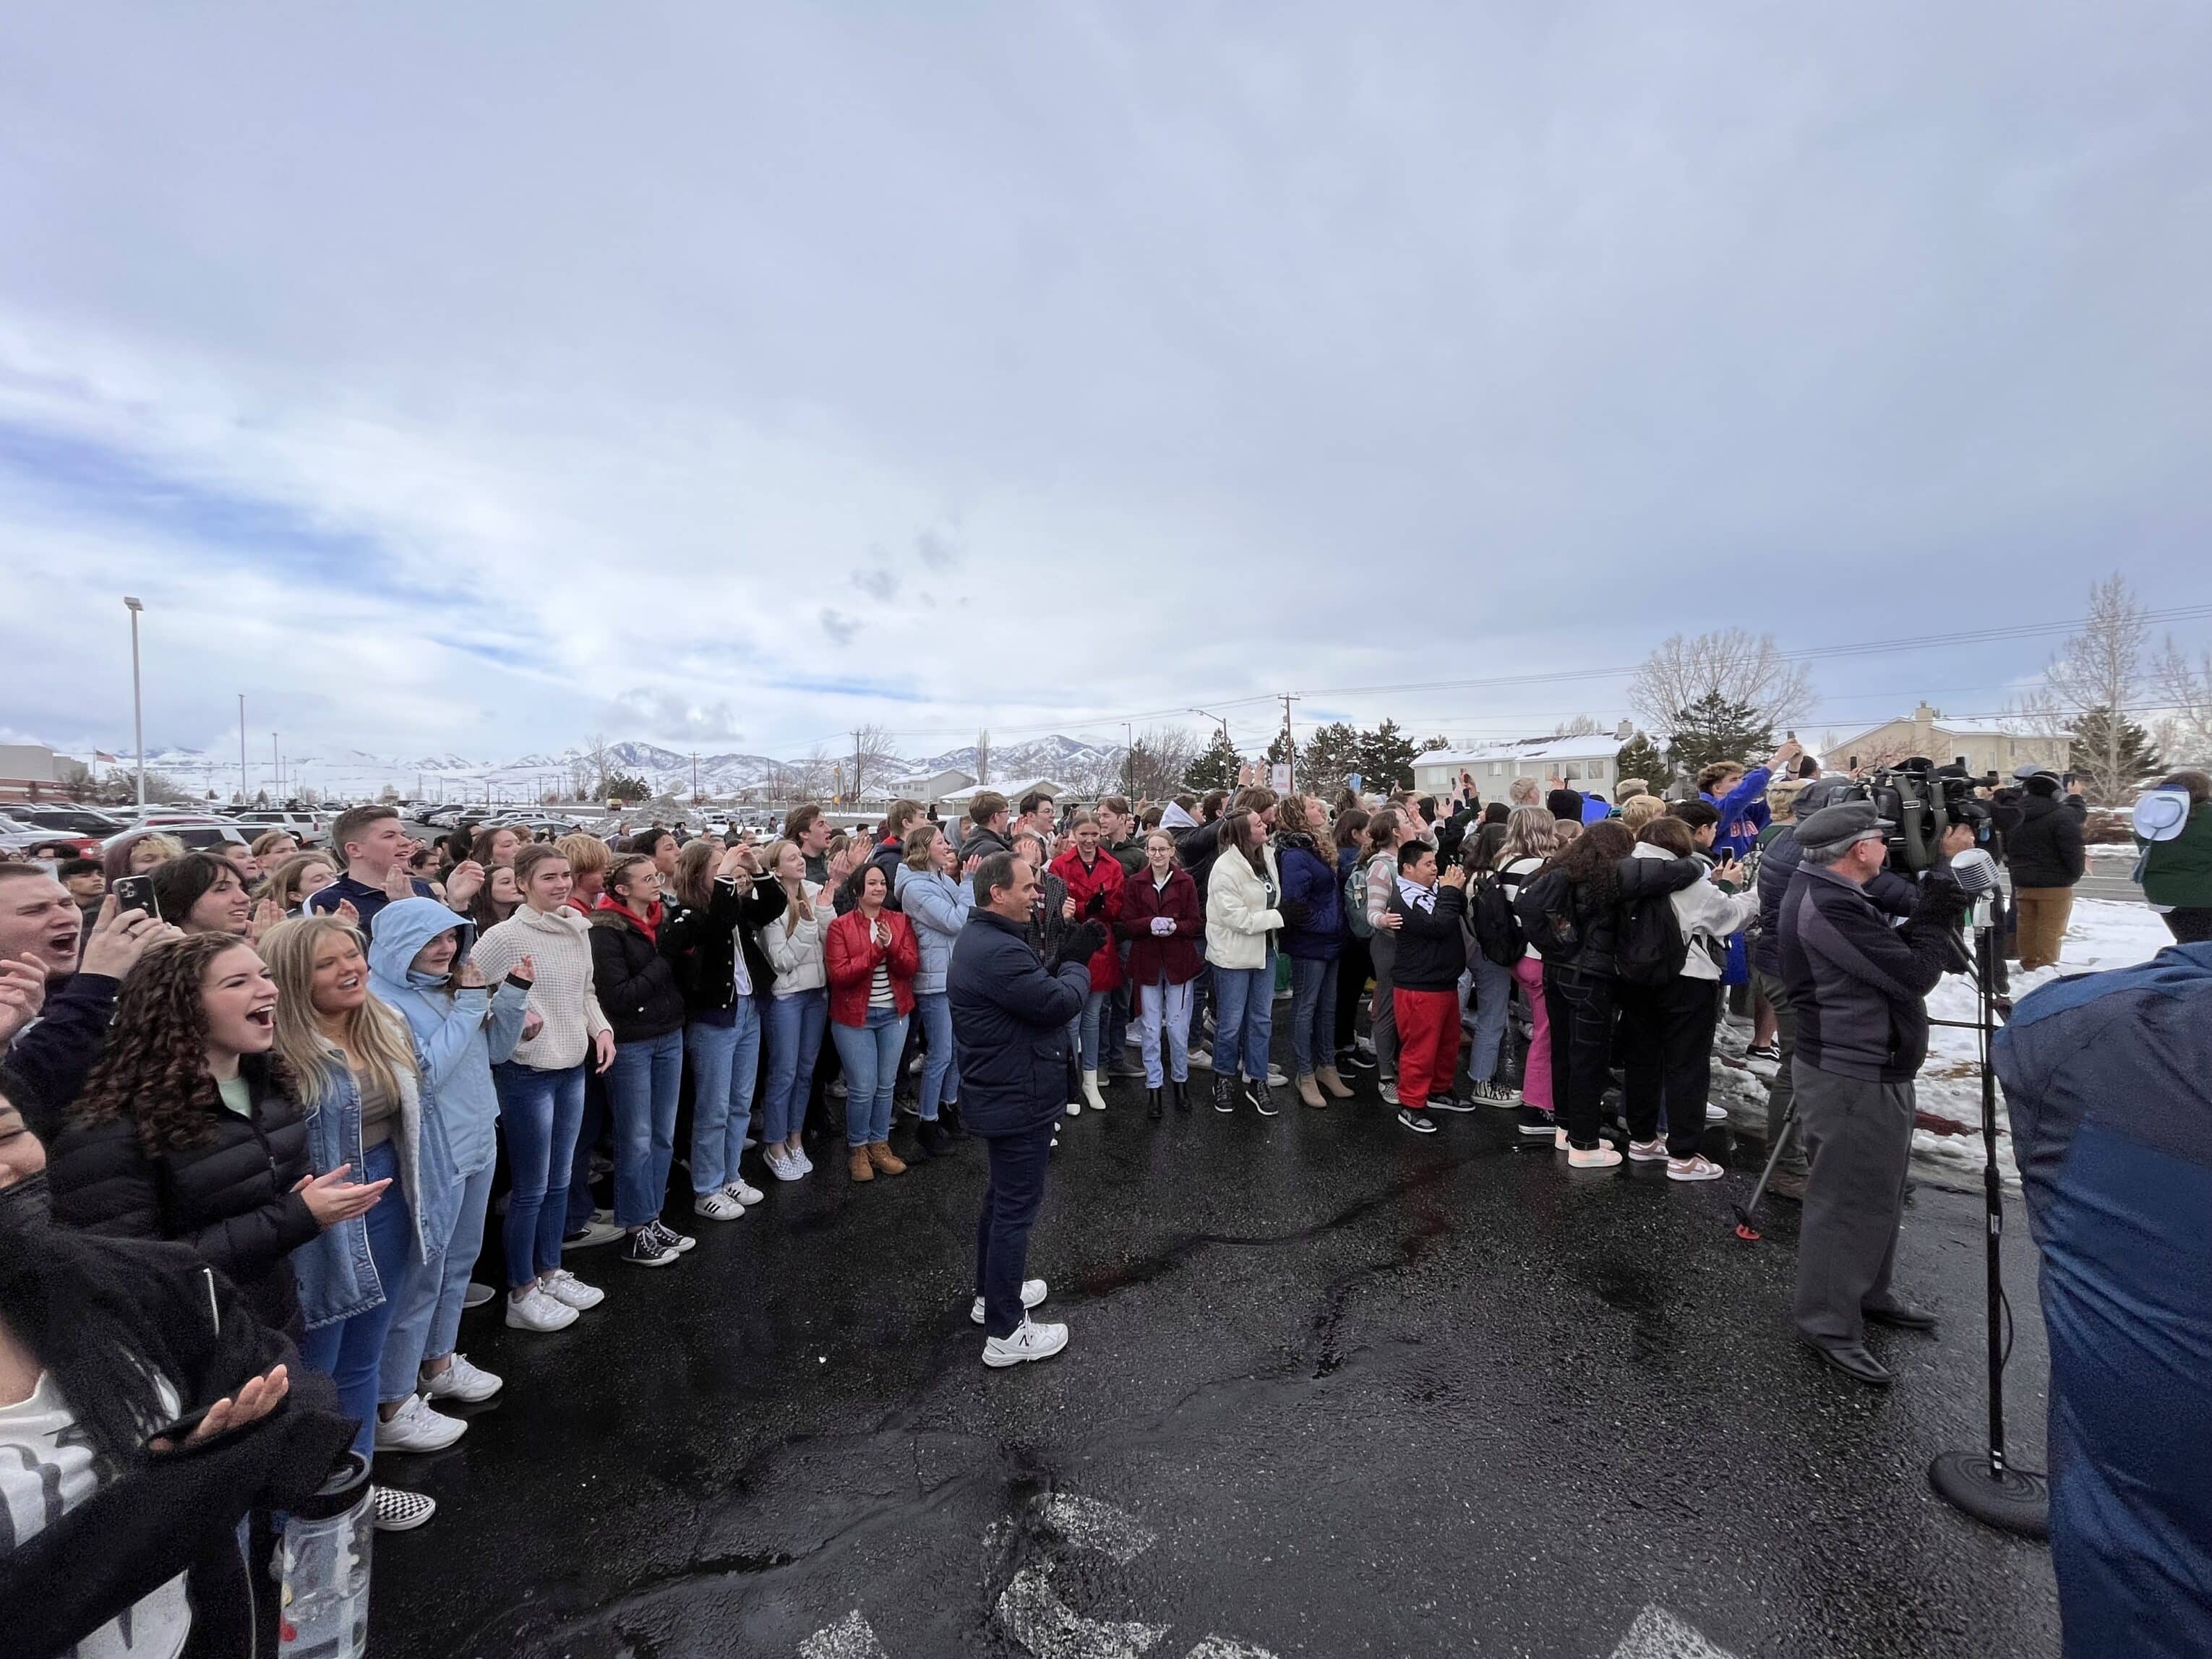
x: 2102, y: 933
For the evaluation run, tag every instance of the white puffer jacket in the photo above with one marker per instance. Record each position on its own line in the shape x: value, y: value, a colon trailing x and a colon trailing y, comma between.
x: 795, y: 951
x: 1240, y: 910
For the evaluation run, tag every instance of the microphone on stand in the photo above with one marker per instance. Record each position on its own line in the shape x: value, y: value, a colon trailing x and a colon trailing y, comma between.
x: 1975, y: 871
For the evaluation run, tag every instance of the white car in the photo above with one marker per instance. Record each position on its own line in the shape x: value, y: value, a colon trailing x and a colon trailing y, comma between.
x: 302, y: 827
x: 197, y: 834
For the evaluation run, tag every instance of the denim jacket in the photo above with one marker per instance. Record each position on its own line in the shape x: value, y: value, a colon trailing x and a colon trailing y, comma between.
x: 337, y: 1278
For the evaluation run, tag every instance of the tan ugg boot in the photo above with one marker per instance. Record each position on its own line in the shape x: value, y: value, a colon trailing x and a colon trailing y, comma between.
x: 886, y: 1161
x: 857, y: 1164
x: 1308, y: 1093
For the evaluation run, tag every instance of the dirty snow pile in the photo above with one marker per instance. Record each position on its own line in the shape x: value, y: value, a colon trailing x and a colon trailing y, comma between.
x: 2102, y: 933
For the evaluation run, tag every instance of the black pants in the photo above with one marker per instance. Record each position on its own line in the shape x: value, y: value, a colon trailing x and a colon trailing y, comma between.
x: 1667, y: 1043
x: 1581, y: 1006
x: 1011, y: 1203
x: 1353, y: 970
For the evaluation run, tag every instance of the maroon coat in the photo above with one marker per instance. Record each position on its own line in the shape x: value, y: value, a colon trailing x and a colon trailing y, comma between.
x: 1154, y: 954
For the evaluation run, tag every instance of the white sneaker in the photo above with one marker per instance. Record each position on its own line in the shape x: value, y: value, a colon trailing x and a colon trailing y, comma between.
x: 391, y: 1510
x: 415, y: 1428
x: 718, y: 1206
x: 570, y: 1291
x: 1276, y: 1076
x: 1600, y: 1157
x: 477, y: 1295
x: 1029, y: 1341
x: 537, y: 1311
x: 1715, y: 1112
x: 1647, y: 1152
x: 1075, y: 1108
x: 461, y: 1381
x: 783, y: 1165
x: 1033, y: 1292
x: 805, y: 1163
x: 1697, y: 1167
x: 1200, y: 1060
x: 744, y: 1191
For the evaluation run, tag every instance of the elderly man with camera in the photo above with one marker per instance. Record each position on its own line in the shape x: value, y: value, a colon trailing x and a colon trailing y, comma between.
x: 1858, y: 984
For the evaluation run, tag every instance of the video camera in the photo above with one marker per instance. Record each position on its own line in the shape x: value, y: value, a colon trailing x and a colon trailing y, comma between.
x: 1921, y: 801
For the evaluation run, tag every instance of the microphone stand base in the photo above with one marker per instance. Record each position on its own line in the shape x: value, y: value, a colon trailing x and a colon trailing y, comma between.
x: 2011, y: 1500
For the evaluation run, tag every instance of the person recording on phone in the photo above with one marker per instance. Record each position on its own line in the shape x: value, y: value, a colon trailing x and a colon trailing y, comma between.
x: 55, y: 1005
x: 1857, y: 986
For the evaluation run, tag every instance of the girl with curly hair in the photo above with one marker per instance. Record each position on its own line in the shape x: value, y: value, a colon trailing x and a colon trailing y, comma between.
x: 350, y: 1060
x: 185, y: 1131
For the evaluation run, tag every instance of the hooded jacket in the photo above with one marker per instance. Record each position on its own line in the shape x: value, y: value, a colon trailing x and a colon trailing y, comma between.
x: 558, y: 944
x: 636, y: 984
x: 1240, y: 910
x: 2177, y: 874
x: 937, y: 906
x: 1743, y: 813
x: 2045, y: 849
x: 460, y: 1033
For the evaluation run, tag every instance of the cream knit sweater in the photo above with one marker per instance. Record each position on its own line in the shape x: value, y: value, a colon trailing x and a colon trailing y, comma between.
x: 559, y: 945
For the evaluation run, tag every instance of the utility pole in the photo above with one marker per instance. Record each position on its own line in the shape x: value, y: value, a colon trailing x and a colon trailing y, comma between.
x: 1290, y: 742
x: 856, y: 766
x: 137, y: 717
x: 275, y: 772
x: 245, y: 788
x: 695, y: 775
x: 1128, y: 763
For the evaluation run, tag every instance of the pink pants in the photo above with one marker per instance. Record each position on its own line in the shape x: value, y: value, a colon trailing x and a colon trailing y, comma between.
x: 1537, y: 1074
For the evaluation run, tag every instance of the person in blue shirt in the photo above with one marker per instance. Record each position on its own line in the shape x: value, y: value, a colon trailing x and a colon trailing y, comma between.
x: 376, y: 848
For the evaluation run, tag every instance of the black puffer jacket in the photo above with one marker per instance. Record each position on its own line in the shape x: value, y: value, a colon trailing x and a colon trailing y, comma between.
x: 1597, y: 905
x: 2046, y: 850
x: 230, y: 1198
x: 702, y: 945
x: 636, y: 984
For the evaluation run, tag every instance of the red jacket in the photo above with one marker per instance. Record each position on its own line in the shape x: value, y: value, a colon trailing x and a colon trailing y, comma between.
x: 1153, y: 955
x: 851, y: 954
x: 1103, y: 877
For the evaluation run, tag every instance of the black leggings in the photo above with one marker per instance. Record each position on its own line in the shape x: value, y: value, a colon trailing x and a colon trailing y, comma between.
x: 1667, y: 1050
x: 1353, y: 970
x: 1581, y: 1006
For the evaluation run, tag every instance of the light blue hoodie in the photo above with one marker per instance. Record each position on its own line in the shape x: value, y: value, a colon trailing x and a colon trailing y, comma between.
x: 458, y: 1036
x: 937, y: 906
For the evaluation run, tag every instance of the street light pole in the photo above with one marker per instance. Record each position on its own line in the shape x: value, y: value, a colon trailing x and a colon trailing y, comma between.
x: 137, y: 716
x: 245, y: 790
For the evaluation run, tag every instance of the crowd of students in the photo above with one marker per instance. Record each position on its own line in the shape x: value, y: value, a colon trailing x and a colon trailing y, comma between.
x: 326, y: 1073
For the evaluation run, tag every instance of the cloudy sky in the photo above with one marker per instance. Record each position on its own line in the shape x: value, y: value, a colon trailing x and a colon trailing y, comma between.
x: 471, y: 378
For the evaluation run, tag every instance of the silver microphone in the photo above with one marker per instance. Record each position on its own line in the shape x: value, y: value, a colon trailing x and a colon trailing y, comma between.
x: 1975, y: 871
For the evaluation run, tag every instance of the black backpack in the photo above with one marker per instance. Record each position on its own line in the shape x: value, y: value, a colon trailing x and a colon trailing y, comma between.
x: 1546, y: 908
x: 1498, y: 932
x: 1650, y: 950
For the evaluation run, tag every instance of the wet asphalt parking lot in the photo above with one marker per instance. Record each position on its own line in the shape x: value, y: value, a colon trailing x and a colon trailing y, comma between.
x: 1333, y: 1389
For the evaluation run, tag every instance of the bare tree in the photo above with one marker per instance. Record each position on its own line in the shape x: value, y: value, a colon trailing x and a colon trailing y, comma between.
x: 876, y: 758
x: 814, y: 773
x: 1156, y: 762
x: 1581, y: 726
x: 2184, y: 731
x: 1732, y: 667
x: 2101, y: 669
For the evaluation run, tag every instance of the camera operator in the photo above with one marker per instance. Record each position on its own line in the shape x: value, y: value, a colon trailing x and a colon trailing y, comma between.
x: 2045, y: 853
x: 2106, y: 1079
x: 1856, y: 985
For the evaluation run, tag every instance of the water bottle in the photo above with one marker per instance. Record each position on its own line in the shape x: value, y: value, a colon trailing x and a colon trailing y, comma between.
x: 325, y: 1614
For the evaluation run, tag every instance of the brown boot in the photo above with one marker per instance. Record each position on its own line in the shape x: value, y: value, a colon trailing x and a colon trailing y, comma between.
x: 885, y: 1160
x: 1308, y: 1093
x: 857, y: 1163
x: 1326, y: 1076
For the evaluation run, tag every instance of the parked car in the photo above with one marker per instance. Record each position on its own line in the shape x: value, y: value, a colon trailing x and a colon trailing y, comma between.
x: 22, y: 839
x: 75, y: 820
x: 197, y: 834
x: 302, y: 827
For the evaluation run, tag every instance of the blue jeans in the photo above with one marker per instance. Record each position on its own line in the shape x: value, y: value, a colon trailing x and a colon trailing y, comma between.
x: 351, y: 1351
x: 1493, y: 998
x: 871, y: 1053
x: 1089, y: 1025
x: 428, y: 1323
x: 1117, y: 1013
x: 724, y: 1061
x: 940, y: 1067
x: 540, y: 1111
x: 643, y: 1087
x: 1165, y: 1008
x: 1244, y: 1016
x: 1011, y: 1202
x: 793, y: 1031
x: 1313, y: 1014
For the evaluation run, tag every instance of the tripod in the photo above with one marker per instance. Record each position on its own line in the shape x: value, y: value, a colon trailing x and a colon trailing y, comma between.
x: 1983, y: 1483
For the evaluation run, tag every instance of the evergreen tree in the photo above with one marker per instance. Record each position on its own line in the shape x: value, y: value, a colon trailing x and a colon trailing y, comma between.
x: 1331, y: 756
x: 2112, y: 755
x: 1717, y: 728
x: 1639, y: 758
x: 1386, y: 757
x: 621, y: 787
x: 1216, y: 768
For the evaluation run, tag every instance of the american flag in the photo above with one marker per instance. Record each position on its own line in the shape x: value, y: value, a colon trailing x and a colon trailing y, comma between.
x: 101, y: 754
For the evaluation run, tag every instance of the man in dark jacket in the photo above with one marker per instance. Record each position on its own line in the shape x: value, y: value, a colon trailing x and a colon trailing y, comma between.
x: 1010, y: 1019
x: 988, y: 817
x: 2046, y: 855
x: 1857, y: 987
x: 2106, y: 1078
x: 1893, y: 894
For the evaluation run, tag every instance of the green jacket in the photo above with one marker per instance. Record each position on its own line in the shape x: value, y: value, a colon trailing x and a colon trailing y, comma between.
x: 2177, y: 874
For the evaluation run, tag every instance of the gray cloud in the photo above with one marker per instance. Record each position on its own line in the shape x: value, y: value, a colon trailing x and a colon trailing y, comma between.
x: 936, y: 549
x: 881, y: 586
x: 651, y: 713
x: 838, y: 626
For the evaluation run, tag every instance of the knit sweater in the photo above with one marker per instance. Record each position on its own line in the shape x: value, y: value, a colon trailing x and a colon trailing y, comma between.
x: 559, y: 945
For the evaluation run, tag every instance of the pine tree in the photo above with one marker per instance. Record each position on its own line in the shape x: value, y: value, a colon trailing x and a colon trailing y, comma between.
x: 1639, y: 758
x: 1216, y: 768
x: 2113, y: 761
x: 1331, y: 756
x: 1716, y: 728
x: 1386, y: 757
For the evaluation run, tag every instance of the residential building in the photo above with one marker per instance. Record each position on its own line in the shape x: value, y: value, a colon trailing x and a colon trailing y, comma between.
x: 1985, y: 745
x: 1584, y: 762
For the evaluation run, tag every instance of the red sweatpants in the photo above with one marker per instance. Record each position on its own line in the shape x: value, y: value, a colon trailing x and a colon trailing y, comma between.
x: 1428, y: 1043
